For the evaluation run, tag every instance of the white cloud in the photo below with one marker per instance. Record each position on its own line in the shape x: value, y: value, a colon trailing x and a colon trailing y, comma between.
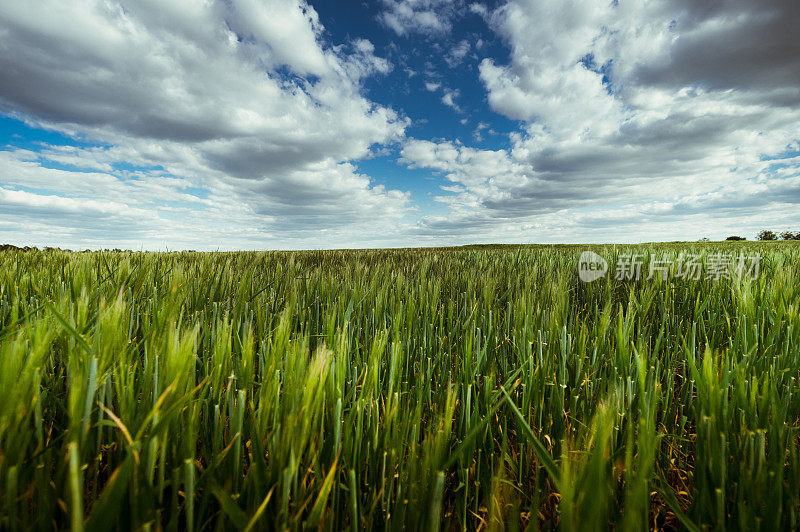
x: 243, y: 98
x: 675, y: 104
x: 479, y: 9
x: 449, y: 98
x: 46, y: 206
x: 458, y: 53
x: 419, y: 16
x: 478, y: 133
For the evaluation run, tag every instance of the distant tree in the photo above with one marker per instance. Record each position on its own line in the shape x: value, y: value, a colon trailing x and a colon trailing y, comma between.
x: 788, y: 235
x: 766, y: 234
x: 737, y: 238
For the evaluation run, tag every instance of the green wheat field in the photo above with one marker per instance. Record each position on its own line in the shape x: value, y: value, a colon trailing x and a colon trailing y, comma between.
x: 419, y: 389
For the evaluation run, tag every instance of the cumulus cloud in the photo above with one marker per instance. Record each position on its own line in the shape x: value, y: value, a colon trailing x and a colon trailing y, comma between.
x: 682, y: 105
x: 479, y: 9
x: 148, y: 208
x: 478, y: 133
x: 243, y: 98
x: 458, y: 53
x: 449, y: 99
x: 419, y: 16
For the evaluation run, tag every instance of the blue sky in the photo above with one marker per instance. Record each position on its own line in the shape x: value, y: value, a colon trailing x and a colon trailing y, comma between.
x: 260, y: 124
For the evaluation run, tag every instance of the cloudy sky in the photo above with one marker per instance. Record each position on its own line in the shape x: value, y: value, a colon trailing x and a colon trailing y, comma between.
x: 255, y: 124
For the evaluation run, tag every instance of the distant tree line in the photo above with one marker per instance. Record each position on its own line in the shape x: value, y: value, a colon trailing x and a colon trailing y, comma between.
x: 766, y: 234
x: 12, y: 247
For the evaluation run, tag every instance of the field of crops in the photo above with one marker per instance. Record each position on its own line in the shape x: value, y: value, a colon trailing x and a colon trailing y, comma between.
x: 452, y: 389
